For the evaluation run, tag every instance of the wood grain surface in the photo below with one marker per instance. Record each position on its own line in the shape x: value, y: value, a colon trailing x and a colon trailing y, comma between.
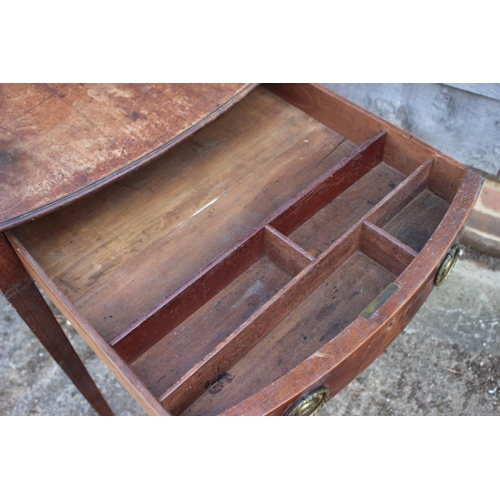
x: 229, y: 275
x: 347, y: 355
x: 106, y: 353
x: 385, y: 249
x: 285, y: 252
x: 416, y: 222
x: 118, y: 253
x: 218, y: 363
x: 196, y: 337
x: 330, y: 308
x: 327, y: 225
x: 61, y: 141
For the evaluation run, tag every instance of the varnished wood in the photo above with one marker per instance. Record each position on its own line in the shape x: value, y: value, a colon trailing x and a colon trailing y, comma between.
x: 19, y: 289
x: 117, y: 366
x: 188, y: 207
x: 347, y: 355
x: 205, y: 373
x: 327, y: 225
x: 322, y: 315
x: 175, y: 309
x: 409, y: 189
x: 403, y: 152
x: 394, y: 201
x: 60, y: 142
x: 331, y: 184
x: 285, y: 252
x: 230, y: 275
x: 171, y: 312
x: 385, y: 249
x: 445, y: 178
x: 416, y: 222
x: 175, y: 354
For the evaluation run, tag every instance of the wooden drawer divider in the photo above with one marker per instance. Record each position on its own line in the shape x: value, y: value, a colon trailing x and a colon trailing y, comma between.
x: 306, y: 271
x: 189, y: 387
x: 175, y: 308
x: 383, y: 248
x: 286, y: 253
x: 364, y: 236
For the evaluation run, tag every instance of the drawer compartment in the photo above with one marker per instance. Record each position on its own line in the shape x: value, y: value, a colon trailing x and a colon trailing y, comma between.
x: 328, y: 310
x: 416, y: 222
x: 215, y: 279
x: 194, y: 320
x: 413, y: 216
x: 333, y: 220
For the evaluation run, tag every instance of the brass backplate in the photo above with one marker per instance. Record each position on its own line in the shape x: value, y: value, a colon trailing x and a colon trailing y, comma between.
x: 447, y: 265
x: 310, y: 404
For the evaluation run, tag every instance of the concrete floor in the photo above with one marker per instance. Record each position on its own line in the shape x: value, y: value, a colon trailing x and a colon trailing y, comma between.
x: 446, y: 362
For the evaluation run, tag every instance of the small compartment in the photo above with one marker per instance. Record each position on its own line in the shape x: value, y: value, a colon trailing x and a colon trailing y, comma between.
x: 330, y: 308
x: 247, y: 278
x: 418, y: 220
x: 332, y: 221
x: 340, y: 199
x: 413, y: 215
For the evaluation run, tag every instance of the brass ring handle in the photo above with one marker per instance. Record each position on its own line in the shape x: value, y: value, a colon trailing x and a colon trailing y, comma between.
x: 447, y: 265
x: 310, y: 404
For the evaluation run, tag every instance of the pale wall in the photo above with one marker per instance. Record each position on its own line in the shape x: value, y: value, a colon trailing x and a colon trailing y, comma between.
x: 458, y: 121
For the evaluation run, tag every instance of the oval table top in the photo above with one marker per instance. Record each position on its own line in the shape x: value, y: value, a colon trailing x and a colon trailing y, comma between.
x: 59, y: 142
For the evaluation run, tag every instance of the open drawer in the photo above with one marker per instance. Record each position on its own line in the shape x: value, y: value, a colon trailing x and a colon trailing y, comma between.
x: 277, y: 251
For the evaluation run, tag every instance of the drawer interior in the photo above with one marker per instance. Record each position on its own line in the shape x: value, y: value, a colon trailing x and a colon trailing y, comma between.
x: 418, y: 220
x: 333, y: 220
x: 251, y: 244
x: 119, y: 252
x: 330, y: 308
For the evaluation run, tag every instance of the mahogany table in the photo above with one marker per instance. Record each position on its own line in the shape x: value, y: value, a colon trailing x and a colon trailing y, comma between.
x: 225, y: 249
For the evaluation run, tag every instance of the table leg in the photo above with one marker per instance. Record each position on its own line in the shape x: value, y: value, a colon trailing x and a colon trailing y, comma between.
x: 19, y: 289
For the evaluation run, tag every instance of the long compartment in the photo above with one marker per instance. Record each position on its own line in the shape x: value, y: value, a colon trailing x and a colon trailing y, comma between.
x: 333, y: 220
x: 202, y: 315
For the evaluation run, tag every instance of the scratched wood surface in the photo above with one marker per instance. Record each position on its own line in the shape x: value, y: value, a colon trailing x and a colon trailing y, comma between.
x: 167, y: 261
x: 389, y: 258
x: 327, y: 225
x: 61, y: 141
x: 318, y: 319
x: 416, y: 222
x: 191, y: 341
x: 216, y: 366
x: 336, y: 364
x: 188, y: 206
